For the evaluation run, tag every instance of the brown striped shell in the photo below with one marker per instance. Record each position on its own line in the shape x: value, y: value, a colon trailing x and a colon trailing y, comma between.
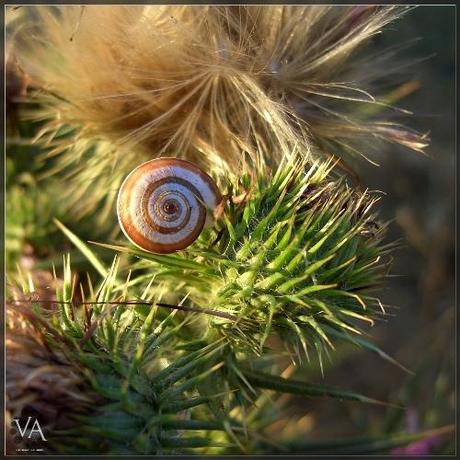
x: 164, y: 204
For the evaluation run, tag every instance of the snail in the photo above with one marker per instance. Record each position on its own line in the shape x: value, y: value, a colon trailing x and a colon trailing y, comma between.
x: 163, y: 204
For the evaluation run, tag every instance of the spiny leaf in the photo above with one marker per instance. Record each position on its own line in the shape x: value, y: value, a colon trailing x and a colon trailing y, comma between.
x: 366, y: 445
x: 272, y: 382
x: 168, y: 260
x: 365, y: 344
x: 92, y: 258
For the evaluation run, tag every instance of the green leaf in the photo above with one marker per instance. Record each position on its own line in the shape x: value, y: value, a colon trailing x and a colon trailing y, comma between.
x: 365, y: 445
x: 92, y: 258
x: 272, y: 382
x: 167, y: 260
x: 367, y: 345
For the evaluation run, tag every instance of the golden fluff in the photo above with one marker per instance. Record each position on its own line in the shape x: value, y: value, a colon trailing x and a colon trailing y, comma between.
x: 216, y: 85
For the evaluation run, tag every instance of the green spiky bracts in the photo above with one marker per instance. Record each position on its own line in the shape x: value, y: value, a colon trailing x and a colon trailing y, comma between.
x: 294, y: 256
x: 290, y: 260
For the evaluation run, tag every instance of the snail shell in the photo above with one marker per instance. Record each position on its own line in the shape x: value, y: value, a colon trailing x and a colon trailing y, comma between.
x: 164, y: 204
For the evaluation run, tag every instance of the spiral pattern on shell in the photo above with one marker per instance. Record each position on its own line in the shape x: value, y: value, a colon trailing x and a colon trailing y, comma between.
x: 164, y: 204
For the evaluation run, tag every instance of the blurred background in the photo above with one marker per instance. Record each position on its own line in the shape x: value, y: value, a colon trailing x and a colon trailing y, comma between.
x: 419, y: 200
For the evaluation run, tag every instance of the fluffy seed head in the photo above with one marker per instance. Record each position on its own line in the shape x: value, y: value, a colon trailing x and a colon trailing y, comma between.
x: 221, y: 86
x: 208, y: 83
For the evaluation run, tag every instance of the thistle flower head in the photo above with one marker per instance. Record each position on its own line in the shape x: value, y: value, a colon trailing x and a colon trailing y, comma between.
x: 106, y: 377
x: 294, y: 253
x: 217, y: 85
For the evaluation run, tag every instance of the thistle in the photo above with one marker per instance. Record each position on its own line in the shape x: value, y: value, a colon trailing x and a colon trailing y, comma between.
x: 108, y: 378
x: 41, y: 380
x: 179, y: 355
x: 187, y: 353
x: 294, y: 253
x: 289, y: 255
x: 133, y: 377
x: 220, y: 86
